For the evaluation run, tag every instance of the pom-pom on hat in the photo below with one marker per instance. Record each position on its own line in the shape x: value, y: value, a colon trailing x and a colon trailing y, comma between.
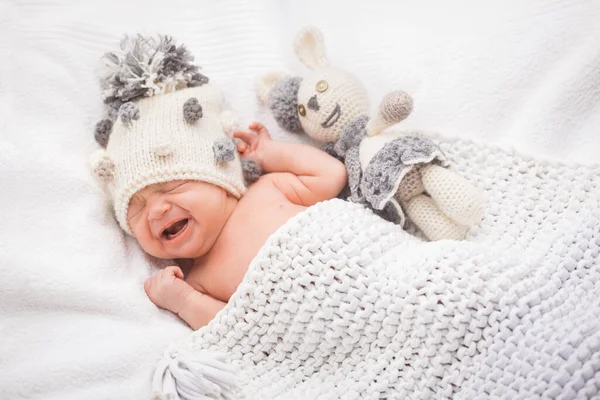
x: 163, y: 123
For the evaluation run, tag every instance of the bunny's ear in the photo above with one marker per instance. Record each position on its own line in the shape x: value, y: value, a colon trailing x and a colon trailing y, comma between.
x: 265, y: 84
x: 309, y: 46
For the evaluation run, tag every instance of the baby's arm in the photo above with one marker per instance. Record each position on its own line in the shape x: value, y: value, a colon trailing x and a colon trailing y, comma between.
x: 199, y: 309
x: 309, y: 174
x: 168, y: 290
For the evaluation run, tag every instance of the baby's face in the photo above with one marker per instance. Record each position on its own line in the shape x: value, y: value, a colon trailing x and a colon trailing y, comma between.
x: 179, y: 219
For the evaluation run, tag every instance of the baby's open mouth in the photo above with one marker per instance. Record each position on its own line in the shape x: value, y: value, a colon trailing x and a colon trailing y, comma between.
x: 333, y: 117
x: 173, y: 230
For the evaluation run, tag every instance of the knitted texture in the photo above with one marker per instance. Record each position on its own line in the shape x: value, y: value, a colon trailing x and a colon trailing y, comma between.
x: 331, y: 105
x: 412, y: 185
x: 339, y: 98
x: 165, y: 123
x: 162, y: 146
x: 386, y: 170
x: 399, y: 165
x: 283, y: 102
x: 434, y: 224
x: 394, y: 107
x: 453, y: 195
x: 102, y: 132
x: 341, y: 304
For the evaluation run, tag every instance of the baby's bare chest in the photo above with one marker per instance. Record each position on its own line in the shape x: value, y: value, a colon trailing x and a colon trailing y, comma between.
x: 221, y: 271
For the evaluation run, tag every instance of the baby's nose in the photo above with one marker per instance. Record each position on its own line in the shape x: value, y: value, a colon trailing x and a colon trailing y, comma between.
x: 157, y: 210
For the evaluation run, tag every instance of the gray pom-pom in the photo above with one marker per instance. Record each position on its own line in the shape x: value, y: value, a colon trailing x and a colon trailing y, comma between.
x: 103, y: 130
x: 197, y: 80
x: 251, y: 170
x: 283, y: 102
x: 129, y: 112
x: 224, y: 150
x: 192, y: 110
x: 147, y: 66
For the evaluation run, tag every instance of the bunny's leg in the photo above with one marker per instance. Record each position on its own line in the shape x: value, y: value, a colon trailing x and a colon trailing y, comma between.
x: 411, y: 185
x: 453, y: 194
x: 423, y: 211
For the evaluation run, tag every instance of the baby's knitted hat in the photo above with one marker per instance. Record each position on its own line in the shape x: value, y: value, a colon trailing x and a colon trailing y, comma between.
x: 164, y: 123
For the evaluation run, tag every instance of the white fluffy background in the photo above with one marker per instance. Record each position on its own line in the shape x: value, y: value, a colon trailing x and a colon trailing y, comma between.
x: 74, y: 320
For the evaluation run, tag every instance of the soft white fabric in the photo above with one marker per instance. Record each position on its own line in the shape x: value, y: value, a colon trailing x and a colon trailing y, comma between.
x: 74, y: 320
x: 341, y: 304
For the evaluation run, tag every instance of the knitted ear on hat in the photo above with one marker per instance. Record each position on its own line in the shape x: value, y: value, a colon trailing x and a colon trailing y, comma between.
x: 102, y: 166
x: 283, y: 102
x: 309, y: 47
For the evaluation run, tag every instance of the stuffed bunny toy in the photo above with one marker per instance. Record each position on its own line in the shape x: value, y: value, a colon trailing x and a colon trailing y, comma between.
x: 395, y: 172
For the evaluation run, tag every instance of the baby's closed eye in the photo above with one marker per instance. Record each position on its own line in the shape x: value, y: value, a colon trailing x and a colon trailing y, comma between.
x: 136, y: 205
x: 176, y: 186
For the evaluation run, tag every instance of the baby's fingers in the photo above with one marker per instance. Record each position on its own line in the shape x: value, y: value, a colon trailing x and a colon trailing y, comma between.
x: 148, y: 285
x: 247, y: 137
x: 242, y: 147
x: 174, y: 271
x: 260, y: 128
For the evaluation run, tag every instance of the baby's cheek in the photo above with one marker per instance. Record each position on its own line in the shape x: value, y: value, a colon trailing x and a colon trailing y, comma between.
x: 144, y: 238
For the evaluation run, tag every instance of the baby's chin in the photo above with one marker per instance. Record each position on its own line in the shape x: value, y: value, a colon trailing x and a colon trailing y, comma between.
x: 195, y: 247
x: 181, y: 253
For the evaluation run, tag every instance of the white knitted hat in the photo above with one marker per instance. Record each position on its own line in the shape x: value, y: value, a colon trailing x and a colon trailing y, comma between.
x: 173, y: 129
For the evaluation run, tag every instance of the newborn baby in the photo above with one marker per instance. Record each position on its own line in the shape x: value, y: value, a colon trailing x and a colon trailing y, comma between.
x: 196, y: 220
x: 173, y: 169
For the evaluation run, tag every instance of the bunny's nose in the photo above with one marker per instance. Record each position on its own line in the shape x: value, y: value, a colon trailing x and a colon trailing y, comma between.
x: 313, y: 104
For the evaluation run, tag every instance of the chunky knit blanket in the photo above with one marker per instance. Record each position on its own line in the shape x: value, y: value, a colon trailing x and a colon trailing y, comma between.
x: 342, y: 304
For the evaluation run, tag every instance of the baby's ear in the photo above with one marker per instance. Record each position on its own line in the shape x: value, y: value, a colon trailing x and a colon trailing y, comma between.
x: 266, y: 82
x: 309, y: 46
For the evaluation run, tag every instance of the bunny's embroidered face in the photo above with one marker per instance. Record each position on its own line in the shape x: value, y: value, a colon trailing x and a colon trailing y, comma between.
x: 323, y: 103
x: 328, y: 100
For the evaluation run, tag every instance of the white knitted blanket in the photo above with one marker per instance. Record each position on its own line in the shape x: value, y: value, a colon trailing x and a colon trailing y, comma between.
x: 341, y: 304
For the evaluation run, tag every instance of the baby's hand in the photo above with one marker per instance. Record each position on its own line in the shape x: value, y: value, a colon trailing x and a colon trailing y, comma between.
x: 168, y: 290
x: 252, y: 145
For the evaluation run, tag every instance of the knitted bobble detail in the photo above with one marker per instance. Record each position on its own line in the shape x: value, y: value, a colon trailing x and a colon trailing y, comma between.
x: 251, y: 171
x: 103, y: 167
x: 192, y: 110
x: 103, y: 131
x: 129, y: 112
x: 224, y: 150
x: 162, y: 148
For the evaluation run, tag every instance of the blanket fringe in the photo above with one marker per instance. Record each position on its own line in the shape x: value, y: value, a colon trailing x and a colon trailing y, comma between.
x: 189, y: 375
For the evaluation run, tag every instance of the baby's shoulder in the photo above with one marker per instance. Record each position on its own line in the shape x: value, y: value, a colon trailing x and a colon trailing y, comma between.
x: 266, y: 188
x: 271, y: 191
